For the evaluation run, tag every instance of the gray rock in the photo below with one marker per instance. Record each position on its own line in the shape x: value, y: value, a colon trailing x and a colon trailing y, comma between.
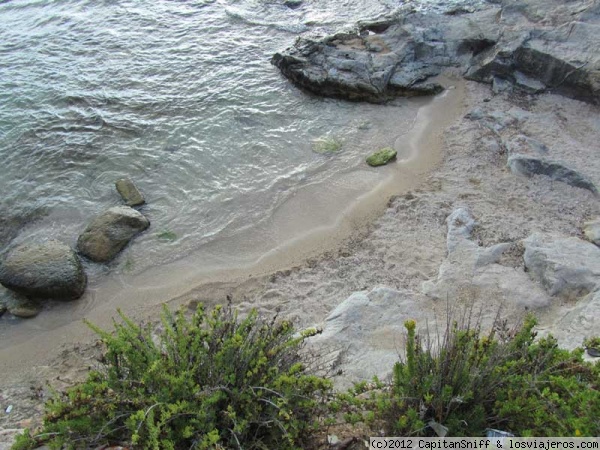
x: 129, y: 192
x: 387, y: 58
x: 25, y: 310
x: 293, y: 4
x: 472, y: 272
x: 46, y: 270
x: 365, y: 332
x: 524, y: 145
x: 110, y: 232
x: 533, y: 45
x: 578, y: 323
x: 529, y: 165
x: 18, y: 305
x: 565, y: 267
x: 591, y: 230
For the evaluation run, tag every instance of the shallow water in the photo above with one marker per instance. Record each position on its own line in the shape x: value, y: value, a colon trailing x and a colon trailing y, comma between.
x: 179, y: 96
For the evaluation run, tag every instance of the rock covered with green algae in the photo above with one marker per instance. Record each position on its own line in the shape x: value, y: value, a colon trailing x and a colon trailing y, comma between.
x: 382, y: 157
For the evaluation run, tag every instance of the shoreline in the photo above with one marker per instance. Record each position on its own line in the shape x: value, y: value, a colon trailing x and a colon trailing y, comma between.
x: 35, y: 341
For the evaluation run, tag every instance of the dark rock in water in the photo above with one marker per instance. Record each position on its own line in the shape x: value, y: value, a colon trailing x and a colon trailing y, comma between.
x: 382, y: 157
x: 387, y: 58
x: 529, y: 165
x: 46, y: 270
x: 24, y: 308
x: 533, y: 45
x: 110, y: 232
x: 129, y: 192
x: 293, y: 4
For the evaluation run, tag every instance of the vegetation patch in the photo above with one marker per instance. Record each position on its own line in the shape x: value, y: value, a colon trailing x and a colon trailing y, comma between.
x: 466, y: 382
x: 208, y: 382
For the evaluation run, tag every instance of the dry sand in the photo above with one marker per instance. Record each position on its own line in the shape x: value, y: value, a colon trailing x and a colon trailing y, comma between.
x: 395, y: 237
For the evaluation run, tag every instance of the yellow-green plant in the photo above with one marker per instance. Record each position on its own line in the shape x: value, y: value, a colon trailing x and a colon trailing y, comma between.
x: 209, y: 382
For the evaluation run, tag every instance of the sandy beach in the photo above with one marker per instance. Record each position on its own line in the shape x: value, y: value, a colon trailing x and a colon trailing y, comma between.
x: 396, y: 237
x: 451, y: 224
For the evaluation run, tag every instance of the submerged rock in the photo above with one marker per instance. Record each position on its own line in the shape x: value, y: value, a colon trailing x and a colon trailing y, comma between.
x: 46, y: 270
x: 129, y: 192
x: 382, y: 157
x: 25, y: 310
x: 293, y: 4
x: 530, y: 165
x: 110, y: 232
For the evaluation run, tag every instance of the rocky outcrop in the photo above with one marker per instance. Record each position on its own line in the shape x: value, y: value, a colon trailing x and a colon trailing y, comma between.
x: 470, y: 271
x: 386, y: 59
x: 382, y: 157
x: 110, y: 232
x: 565, y: 267
x: 530, y: 165
x: 363, y: 335
x: 534, y: 46
x: 129, y: 192
x: 46, y: 270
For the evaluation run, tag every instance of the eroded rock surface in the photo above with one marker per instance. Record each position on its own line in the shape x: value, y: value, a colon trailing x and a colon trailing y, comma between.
x: 531, y: 165
x: 364, y: 334
x: 534, y: 46
x: 567, y: 267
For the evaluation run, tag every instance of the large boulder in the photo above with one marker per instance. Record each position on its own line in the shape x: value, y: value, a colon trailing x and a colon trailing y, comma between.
x: 44, y: 270
x: 533, y: 45
x: 387, y: 58
x: 566, y: 267
x: 109, y: 233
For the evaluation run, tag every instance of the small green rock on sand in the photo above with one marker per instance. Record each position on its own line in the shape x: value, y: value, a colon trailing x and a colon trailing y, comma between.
x: 382, y: 157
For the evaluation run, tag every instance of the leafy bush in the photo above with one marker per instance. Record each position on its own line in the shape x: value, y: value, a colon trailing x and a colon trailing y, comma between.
x: 211, y: 381
x: 471, y: 381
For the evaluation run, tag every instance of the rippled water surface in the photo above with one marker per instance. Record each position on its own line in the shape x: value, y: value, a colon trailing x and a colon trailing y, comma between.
x: 179, y: 96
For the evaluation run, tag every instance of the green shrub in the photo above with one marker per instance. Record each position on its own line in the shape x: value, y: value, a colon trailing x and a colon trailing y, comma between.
x: 469, y: 381
x: 209, y: 382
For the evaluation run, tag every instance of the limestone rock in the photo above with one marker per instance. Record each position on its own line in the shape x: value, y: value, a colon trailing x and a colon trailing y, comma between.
x: 382, y: 157
x: 45, y: 270
x: 591, y: 230
x: 580, y: 322
x: 530, y: 165
x: 109, y: 233
x: 566, y: 267
x: 366, y: 331
x: 129, y: 192
x: 472, y: 272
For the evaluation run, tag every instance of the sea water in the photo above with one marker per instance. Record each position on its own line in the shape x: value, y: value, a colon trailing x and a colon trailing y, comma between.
x: 180, y: 97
